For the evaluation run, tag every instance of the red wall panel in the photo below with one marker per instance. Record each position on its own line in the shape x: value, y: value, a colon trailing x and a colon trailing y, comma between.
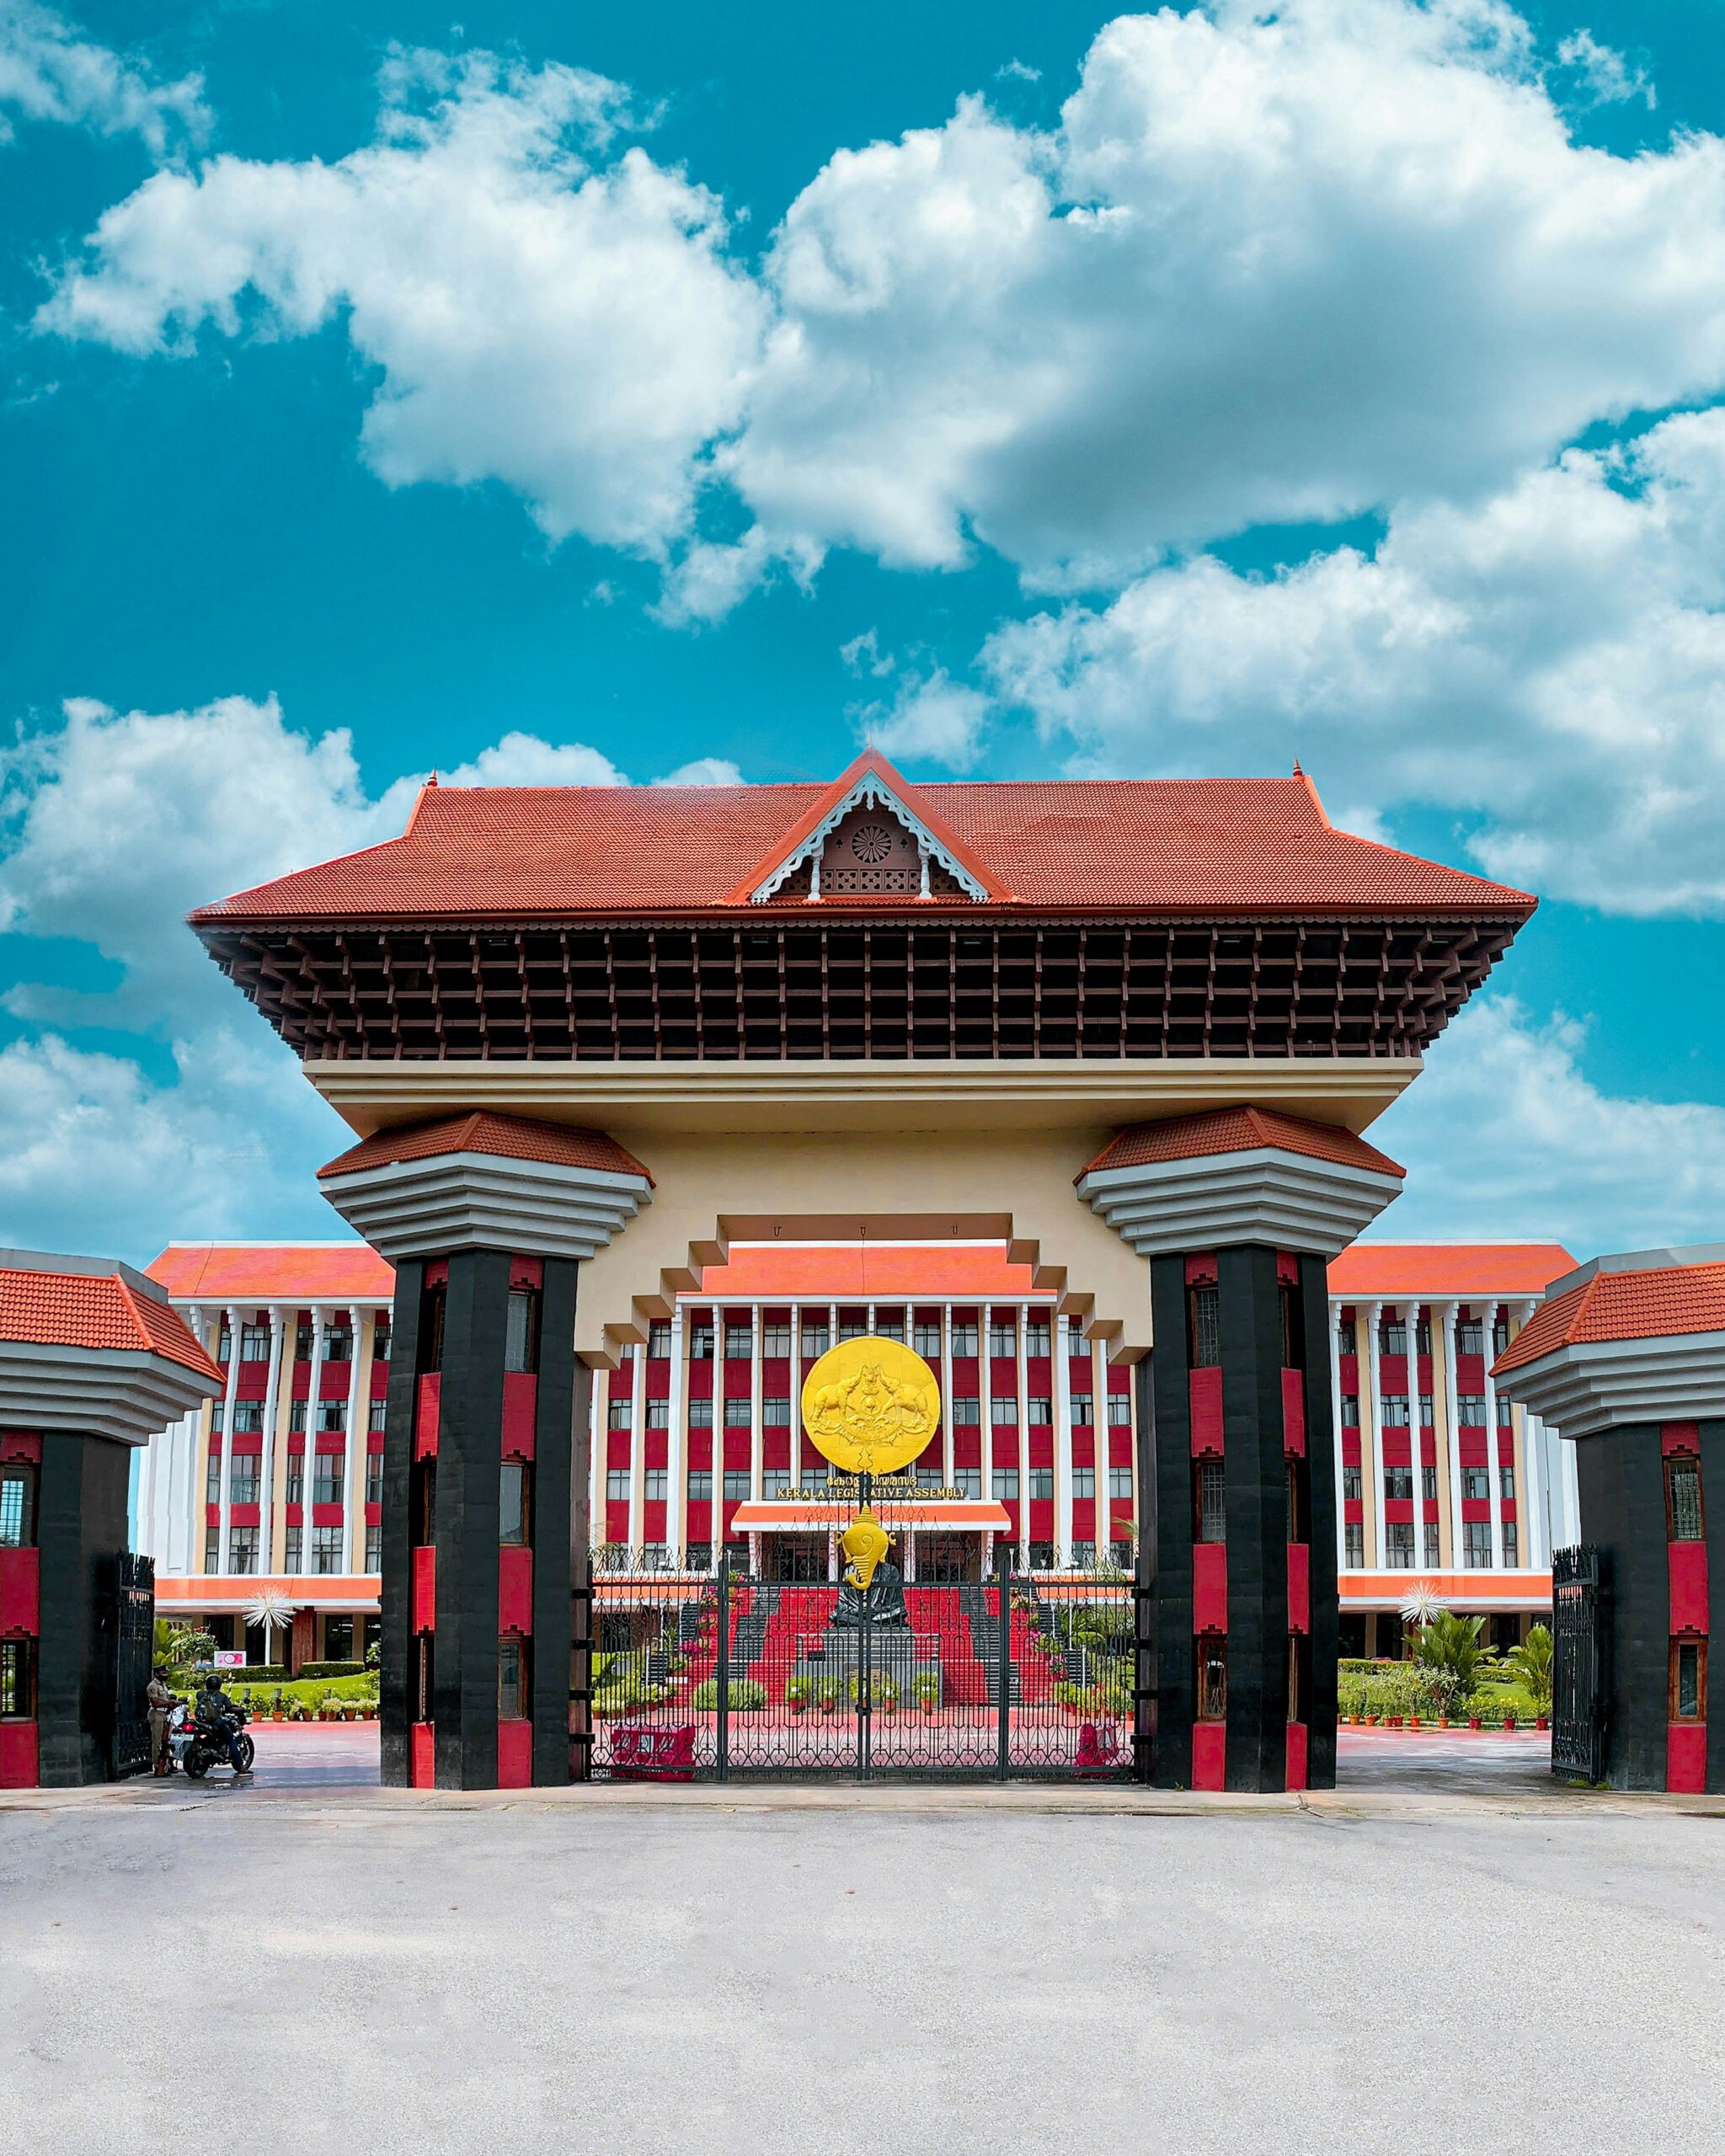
x: 17, y: 1755
x: 514, y: 1590
x: 1686, y: 1758
x: 514, y: 1755
x: 426, y: 1422
x: 1204, y: 1390
x: 1209, y: 1754
x: 424, y: 1756
x: 424, y: 1598
x: 20, y: 1590
x: 1299, y: 1586
x: 1296, y: 1755
x: 1294, y: 1412
x: 521, y: 1403
x: 1209, y: 1587
x: 1688, y: 1586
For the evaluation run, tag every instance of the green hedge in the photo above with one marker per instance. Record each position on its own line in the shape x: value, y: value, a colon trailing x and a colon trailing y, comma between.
x: 1382, y: 1688
x: 333, y: 1669
x: 742, y: 1693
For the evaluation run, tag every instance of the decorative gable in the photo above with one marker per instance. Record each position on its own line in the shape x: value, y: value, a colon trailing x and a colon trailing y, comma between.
x: 869, y: 835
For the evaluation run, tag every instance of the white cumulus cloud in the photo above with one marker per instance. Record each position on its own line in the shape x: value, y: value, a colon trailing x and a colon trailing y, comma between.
x: 51, y: 71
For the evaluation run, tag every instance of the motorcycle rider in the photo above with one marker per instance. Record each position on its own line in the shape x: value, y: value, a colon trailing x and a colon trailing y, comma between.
x: 221, y: 1716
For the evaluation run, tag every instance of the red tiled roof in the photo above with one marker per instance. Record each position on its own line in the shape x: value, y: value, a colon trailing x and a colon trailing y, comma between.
x: 857, y: 1272
x: 1651, y: 1305
x: 1422, y: 1270
x: 273, y: 1272
x: 1176, y: 847
x: 512, y: 1137
x: 82, y: 1309
x: 1238, y: 1131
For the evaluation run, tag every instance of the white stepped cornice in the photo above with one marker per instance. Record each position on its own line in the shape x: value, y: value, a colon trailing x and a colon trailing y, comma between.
x: 124, y: 1394
x: 1591, y: 1385
x: 1289, y: 1201
x: 467, y: 1201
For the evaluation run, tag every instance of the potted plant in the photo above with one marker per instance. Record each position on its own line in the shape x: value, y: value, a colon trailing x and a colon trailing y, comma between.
x: 828, y: 1699
x: 928, y: 1693
x: 797, y: 1694
x: 1473, y: 1721
x: 1511, y: 1719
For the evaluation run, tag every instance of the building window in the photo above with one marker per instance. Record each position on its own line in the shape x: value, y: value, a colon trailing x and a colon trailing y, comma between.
x: 432, y: 1307
x: 224, y: 1344
x: 1470, y: 1410
x: 964, y: 1340
x: 332, y: 1415
x: 338, y: 1344
x: 512, y: 1694
x: 701, y: 1344
x: 890, y: 1324
x: 776, y: 1414
x: 326, y: 1548
x: 1344, y: 1335
x: 248, y: 1416
x: 1476, y: 1484
x: 243, y: 1482
x: 242, y: 1550
x: 1003, y: 1408
x: 1038, y: 1338
x: 775, y: 1482
x: 1429, y: 1484
x: 817, y: 1338
x: 212, y: 1548
x: 736, y: 1482
x: 924, y: 1338
x: 738, y: 1414
x: 1688, y: 1680
x: 1083, y: 1555
x: 700, y: 1414
x: 1398, y: 1553
x: 18, y: 1689
x: 1351, y: 1486
x: 1119, y: 1409
x: 699, y: 1485
x: 520, y: 1330
x: 659, y: 1340
x: 296, y: 1416
x: 1119, y: 1482
x: 295, y: 1478
x: 1425, y: 1411
x: 968, y: 1481
x: 1506, y: 1480
x: 1350, y: 1411
x: 617, y: 1484
x: 1084, y: 1482
x: 1042, y: 1482
x: 1204, y: 1316
x: 254, y: 1344
x: 1683, y: 1498
x: 1509, y: 1543
x: 775, y: 1341
x: 1398, y: 1483
x: 966, y: 1412
x: 380, y: 1339
x: 302, y: 1341
x: 1083, y: 1409
x: 1422, y: 1336
x: 1212, y: 1678
x: 375, y: 1414
x: 1431, y: 1542
x: 1006, y: 1482
x: 1003, y: 1337
x: 1210, y: 1524
x: 620, y: 1415
x: 658, y: 1414
x: 329, y: 1470
x: 1500, y: 1334
x: 1392, y: 1337
x: 1353, y: 1543
x: 18, y: 1506
x: 1476, y: 1543
x: 292, y: 1543
x: 515, y: 1504
x: 1470, y: 1337
x: 1395, y: 1410
x: 1506, y: 1412
x: 374, y: 1548
x: 1041, y: 1411
x: 212, y: 1480
x: 658, y: 1482
x: 738, y: 1342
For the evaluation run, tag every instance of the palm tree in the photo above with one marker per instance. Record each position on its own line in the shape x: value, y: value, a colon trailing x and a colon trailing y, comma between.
x: 1532, y: 1662
x: 1448, y: 1655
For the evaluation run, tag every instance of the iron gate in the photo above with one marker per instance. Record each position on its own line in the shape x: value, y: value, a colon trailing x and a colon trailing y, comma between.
x: 725, y: 1676
x: 1580, y: 1684
x: 134, y: 1645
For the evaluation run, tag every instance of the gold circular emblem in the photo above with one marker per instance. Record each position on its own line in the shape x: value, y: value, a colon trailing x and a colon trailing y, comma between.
x: 871, y: 1405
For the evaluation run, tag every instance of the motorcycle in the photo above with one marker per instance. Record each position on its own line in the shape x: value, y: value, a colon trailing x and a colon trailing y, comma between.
x: 196, y: 1749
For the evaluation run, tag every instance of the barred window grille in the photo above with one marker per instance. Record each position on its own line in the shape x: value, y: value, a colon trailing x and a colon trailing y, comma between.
x: 1683, y: 1481
x: 1212, y: 1503
x: 1204, y: 1306
x: 1353, y: 1543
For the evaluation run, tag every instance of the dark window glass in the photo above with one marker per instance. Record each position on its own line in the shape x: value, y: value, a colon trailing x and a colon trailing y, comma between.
x: 514, y: 1523
x: 1686, y: 1681
x: 426, y: 1502
x: 425, y: 1690
x: 1354, y: 1535
x: 374, y: 1551
x: 1683, y: 1485
x: 431, y: 1311
x: 338, y: 1344
x: 17, y: 1691
x: 374, y: 1478
x: 699, y: 1485
x: 520, y: 1338
x: 1212, y: 1519
x: 380, y: 1341
x: 18, y: 1507
x: 1212, y: 1679
x: 1296, y: 1531
x: 1350, y: 1411
x: 701, y: 1344
x: 1398, y: 1483
x: 326, y: 1549
x: 338, y: 1639
x: 327, y: 1471
x: 1204, y: 1311
x: 1042, y: 1482
x: 1398, y: 1552
x: 1509, y: 1543
x: 1352, y: 1485
x: 1293, y: 1328
x: 511, y: 1679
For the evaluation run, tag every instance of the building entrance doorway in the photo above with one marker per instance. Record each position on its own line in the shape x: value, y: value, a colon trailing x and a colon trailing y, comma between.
x: 799, y: 1558
x: 947, y: 1560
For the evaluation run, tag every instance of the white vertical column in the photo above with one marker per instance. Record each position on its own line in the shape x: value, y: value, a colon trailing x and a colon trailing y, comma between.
x: 1022, y: 1364
x: 308, y: 1481
x: 638, y: 1449
x: 1336, y: 1429
x: 1493, y: 1475
x: 1536, y: 1498
x: 227, y: 1406
x: 1371, y: 1401
x: 1101, y: 1444
x: 1571, y: 1488
x: 716, y: 1333
x: 1409, y: 1314
x: 868, y: 1317
x: 1448, y: 1315
x: 796, y: 1395
x: 676, y: 1534
x: 985, y: 1406
x: 598, y: 1420
x: 183, y: 1555
x: 279, y: 1319
x: 948, y: 1468
x: 1062, y: 1349
x: 354, y: 1460
x: 757, y: 1439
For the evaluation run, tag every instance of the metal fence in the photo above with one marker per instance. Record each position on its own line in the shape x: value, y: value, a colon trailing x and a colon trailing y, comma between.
x: 1579, y: 1686
x: 698, y: 1676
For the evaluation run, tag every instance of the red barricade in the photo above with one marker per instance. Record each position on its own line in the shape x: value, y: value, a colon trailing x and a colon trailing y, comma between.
x: 640, y: 1752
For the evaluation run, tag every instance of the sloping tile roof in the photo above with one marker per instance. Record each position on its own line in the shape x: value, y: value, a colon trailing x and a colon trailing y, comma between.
x: 1171, y: 847
x: 1238, y: 1131
x: 512, y: 1137
x: 67, y: 1310
x: 272, y: 1273
x: 1423, y: 1270
x: 1644, y: 1305
x: 856, y: 1273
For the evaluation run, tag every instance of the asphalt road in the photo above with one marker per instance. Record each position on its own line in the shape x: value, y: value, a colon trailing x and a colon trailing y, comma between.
x: 331, y: 1973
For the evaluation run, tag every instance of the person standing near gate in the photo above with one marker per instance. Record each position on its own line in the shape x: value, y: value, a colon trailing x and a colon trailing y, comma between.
x: 160, y: 1700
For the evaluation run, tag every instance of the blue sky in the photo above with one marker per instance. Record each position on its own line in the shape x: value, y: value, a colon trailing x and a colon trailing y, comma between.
x: 585, y: 393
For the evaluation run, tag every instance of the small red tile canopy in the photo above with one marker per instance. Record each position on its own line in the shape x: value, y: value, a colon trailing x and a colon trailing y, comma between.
x: 508, y: 1136
x: 1664, y: 1302
x: 1237, y: 1130
x: 100, y: 1311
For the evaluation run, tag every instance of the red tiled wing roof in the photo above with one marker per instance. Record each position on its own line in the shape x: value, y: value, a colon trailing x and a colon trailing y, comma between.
x: 1238, y: 1131
x: 856, y: 1272
x: 1178, y: 847
x: 95, y: 1311
x: 1462, y: 1269
x: 270, y: 1272
x: 513, y: 1137
x: 1651, y: 1305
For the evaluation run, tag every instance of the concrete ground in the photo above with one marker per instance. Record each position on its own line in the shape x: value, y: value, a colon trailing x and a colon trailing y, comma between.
x: 907, y: 1971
